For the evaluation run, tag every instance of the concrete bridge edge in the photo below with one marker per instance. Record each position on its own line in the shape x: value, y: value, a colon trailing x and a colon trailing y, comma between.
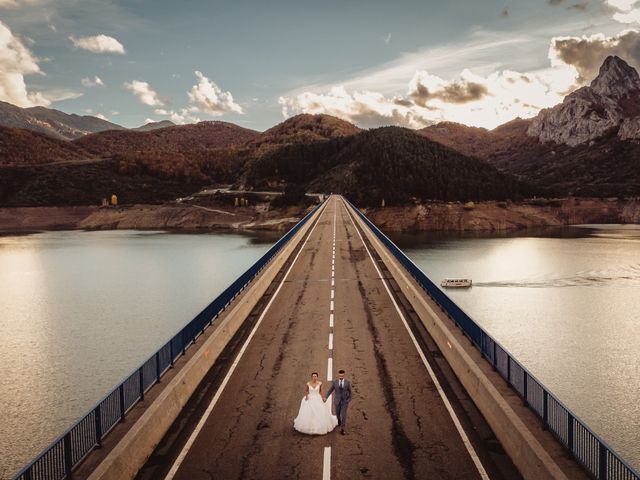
x: 133, y: 450
x: 530, y: 457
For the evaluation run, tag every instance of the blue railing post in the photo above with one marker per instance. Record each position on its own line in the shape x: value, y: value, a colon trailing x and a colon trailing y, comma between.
x: 602, y: 465
x: 171, y: 355
x: 121, y: 389
x: 495, y: 356
x: 68, y: 458
x: 141, y: 383
x: 570, y: 431
x: 158, y: 366
x: 98, y: 423
x: 545, y: 409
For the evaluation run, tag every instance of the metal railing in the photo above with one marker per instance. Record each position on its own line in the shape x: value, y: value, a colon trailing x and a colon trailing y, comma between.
x: 57, y: 461
x: 586, y: 446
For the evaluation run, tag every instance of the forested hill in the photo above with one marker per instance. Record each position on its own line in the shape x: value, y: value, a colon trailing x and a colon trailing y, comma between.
x: 392, y: 163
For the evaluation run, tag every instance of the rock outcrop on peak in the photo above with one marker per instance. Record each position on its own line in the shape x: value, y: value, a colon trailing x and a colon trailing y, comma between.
x: 610, y: 103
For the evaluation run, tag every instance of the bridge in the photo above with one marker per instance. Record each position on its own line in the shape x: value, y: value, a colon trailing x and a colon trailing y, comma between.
x: 434, y: 396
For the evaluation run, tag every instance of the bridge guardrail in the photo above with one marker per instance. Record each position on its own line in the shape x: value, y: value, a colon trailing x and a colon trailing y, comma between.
x: 57, y: 461
x: 585, y: 445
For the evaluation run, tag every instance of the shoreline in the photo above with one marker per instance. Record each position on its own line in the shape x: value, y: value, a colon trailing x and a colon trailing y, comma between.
x: 486, y: 217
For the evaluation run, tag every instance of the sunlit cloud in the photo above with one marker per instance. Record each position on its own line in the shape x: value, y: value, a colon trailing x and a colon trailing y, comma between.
x: 626, y: 11
x: 483, y: 101
x: 144, y: 92
x: 207, y: 97
x: 98, y: 44
x: 16, y: 61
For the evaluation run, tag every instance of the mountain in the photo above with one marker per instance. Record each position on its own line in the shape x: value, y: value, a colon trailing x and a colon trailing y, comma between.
x: 479, y: 142
x: 586, y: 146
x: 610, y: 103
x: 303, y: 129
x: 390, y: 163
x: 25, y: 147
x: 306, y: 128
x: 179, y: 138
x: 155, y: 125
x: 54, y: 123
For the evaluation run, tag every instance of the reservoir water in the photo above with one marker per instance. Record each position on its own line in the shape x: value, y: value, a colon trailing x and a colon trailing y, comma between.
x: 80, y: 310
x: 566, y: 304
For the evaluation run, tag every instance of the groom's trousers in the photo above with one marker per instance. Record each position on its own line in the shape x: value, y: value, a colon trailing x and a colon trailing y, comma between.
x: 341, y: 413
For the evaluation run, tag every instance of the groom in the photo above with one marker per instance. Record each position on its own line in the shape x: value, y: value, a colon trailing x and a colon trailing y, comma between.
x: 342, y: 387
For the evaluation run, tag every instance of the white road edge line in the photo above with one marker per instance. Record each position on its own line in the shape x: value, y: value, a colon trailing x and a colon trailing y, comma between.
x: 331, y: 320
x: 331, y: 341
x: 216, y: 397
x: 326, y: 464
x: 332, y: 293
x: 445, y: 400
x: 331, y: 306
x: 329, y: 369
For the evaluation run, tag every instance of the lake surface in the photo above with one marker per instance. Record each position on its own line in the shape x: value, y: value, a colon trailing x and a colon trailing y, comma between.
x: 80, y: 310
x: 566, y: 304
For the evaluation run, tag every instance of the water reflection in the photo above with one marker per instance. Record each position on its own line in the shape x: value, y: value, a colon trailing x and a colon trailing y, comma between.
x: 565, y: 304
x: 80, y: 310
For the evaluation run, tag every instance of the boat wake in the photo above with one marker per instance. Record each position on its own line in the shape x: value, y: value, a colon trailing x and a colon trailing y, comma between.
x: 626, y: 276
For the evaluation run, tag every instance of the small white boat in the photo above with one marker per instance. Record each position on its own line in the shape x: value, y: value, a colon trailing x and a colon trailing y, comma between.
x: 456, y: 283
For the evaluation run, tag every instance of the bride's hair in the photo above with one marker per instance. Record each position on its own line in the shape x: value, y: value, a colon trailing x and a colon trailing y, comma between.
x: 314, y: 373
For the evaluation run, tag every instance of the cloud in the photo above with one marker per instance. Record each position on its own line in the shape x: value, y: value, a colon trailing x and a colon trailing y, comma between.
x: 470, y: 99
x: 95, y: 82
x: 184, y: 115
x: 387, y: 39
x: 622, y: 5
x: 627, y: 11
x: 628, y: 17
x: 16, y: 61
x: 144, y: 92
x: 586, y: 53
x: 99, y: 44
x: 181, y: 116
x: 366, y: 108
x: 100, y: 116
x: 425, y: 87
x: 207, y: 97
x: 59, y: 95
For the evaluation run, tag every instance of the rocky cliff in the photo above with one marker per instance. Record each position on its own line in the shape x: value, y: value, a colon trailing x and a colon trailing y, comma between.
x: 611, y: 102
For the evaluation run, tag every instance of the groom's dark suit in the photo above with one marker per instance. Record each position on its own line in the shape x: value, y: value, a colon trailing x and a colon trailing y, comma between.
x: 341, y: 399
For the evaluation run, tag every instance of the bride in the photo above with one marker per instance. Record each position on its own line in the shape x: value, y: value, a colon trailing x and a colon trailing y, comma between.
x: 314, y: 416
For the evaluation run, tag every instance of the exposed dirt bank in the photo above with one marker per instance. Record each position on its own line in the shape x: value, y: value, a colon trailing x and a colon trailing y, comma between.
x: 433, y: 216
x: 148, y: 217
x: 501, y: 216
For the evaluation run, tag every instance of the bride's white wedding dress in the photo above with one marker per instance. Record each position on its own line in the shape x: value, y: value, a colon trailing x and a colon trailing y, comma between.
x: 314, y: 416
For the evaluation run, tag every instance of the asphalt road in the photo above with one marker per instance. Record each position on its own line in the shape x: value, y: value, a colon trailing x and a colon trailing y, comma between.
x: 398, y: 425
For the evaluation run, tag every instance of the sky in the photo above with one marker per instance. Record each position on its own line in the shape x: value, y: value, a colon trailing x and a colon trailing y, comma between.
x: 254, y: 63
